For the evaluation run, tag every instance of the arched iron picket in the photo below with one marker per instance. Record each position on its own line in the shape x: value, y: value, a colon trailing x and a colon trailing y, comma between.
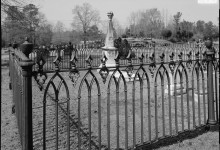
x: 89, y: 87
x: 181, y: 72
x: 197, y: 67
x: 117, y: 82
x: 56, y: 91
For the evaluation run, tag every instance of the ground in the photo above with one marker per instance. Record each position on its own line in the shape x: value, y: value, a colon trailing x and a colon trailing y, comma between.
x: 206, y: 141
x: 9, y: 130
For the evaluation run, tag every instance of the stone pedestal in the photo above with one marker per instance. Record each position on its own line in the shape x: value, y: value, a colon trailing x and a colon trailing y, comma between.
x: 110, y: 54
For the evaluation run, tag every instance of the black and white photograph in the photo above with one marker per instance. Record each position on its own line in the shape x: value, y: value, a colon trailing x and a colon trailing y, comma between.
x: 110, y: 74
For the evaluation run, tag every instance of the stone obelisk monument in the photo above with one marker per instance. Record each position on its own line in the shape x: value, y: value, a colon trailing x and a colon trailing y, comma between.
x: 109, y: 50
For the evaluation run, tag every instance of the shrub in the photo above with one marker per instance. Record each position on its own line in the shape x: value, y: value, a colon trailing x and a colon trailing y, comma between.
x: 173, y: 40
x: 166, y: 33
x: 198, y: 36
x: 124, y: 36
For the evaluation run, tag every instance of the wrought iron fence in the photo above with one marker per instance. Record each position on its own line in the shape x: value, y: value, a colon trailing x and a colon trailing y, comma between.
x: 83, y: 51
x: 128, y: 106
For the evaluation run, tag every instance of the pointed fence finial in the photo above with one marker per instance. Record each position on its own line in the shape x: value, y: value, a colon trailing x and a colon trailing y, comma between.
x: 104, y: 70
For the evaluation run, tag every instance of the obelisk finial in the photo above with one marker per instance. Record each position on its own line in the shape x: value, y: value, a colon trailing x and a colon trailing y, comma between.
x: 110, y: 15
x: 109, y: 40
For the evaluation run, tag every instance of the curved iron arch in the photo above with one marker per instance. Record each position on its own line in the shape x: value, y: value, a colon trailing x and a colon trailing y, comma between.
x: 200, y: 69
x: 93, y: 79
x: 180, y: 73
x: 56, y: 91
x: 117, y: 82
x: 89, y: 87
x: 161, y: 74
x: 137, y: 74
x: 165, y: 71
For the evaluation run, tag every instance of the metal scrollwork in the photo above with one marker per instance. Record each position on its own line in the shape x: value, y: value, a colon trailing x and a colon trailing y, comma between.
x: 40, y: 76
x: 74, y: 73
x: 189, y: 61
x: 172, y: 64
x: 104, y: 70
x: 162, y: 57
x: 197, y: 55
x: 130, y: 68
x: 180, y: 55
x: 130, y: 71
x: 204, y: 61
x: 141, y: 58
x: 74, y: 76
x: 58, y: 58
x: 89, y: 60
x: 152, y: 66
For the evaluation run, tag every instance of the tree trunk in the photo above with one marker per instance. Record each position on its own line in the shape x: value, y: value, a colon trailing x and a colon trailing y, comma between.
x: 84, y: 38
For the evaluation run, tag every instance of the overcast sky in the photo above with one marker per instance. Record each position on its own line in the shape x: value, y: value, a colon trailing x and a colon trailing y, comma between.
x: 61, y: 10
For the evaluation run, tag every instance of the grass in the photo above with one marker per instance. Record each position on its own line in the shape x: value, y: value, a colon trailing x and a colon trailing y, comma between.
x: 9, y: 130
x: 209, y: 140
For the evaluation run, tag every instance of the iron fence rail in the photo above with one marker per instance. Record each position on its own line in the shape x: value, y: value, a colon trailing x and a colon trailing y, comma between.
x: 188, y: 113
x: 135, y: 103
x: 82, y: 52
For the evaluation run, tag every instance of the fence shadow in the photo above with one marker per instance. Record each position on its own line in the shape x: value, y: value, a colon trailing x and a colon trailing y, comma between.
x: 190, y: 134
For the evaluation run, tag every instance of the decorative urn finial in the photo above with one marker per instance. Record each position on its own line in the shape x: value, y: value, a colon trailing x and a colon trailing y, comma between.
x: 26, y: 47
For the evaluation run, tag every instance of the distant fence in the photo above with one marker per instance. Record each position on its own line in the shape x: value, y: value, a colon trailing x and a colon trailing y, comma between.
x: 163, y: 93
x: 83, y: 51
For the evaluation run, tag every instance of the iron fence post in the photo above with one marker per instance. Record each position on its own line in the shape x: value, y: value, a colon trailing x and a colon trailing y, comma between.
x: 27, y: 139
x: 26, y: 66
x: 210, y: 57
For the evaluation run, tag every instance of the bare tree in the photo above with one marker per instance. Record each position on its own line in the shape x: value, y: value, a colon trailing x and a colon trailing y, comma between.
x: 6, y: 4
x: 176, y: 20
x: 59, y: 29
x: 84, y: 17
x: 133, y: 20
x: 170, y: 24
x: 146, y: 22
